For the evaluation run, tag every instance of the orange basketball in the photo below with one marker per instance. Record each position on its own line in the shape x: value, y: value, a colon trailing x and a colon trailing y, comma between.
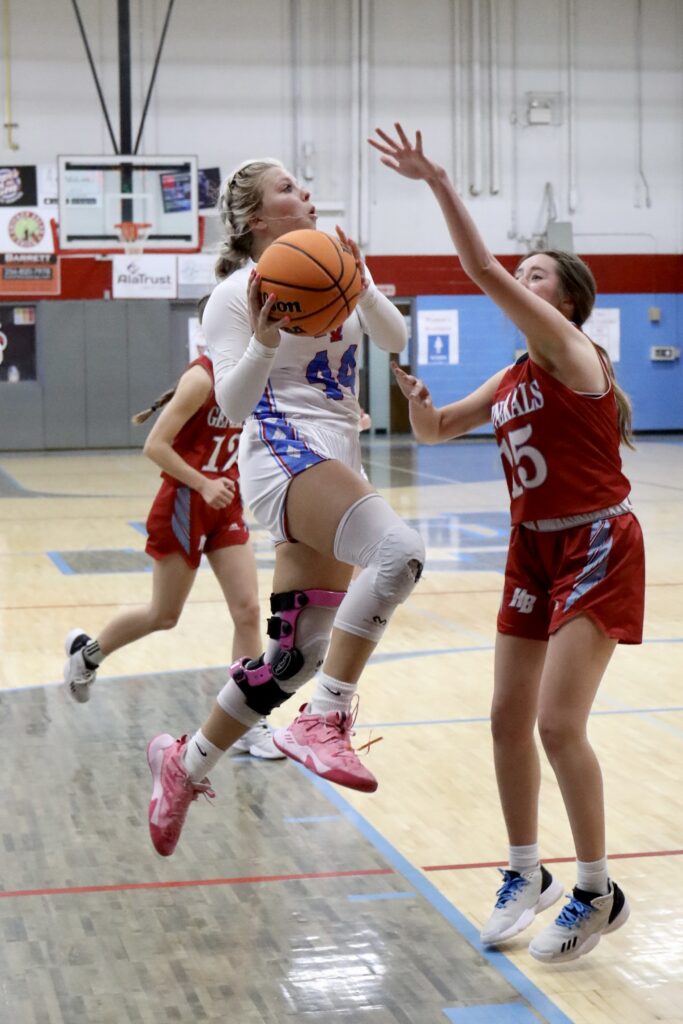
x: 315, y: 280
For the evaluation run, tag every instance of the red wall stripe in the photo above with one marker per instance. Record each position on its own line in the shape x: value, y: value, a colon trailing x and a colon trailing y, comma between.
x: 443, y: 275
x: 85, y: 277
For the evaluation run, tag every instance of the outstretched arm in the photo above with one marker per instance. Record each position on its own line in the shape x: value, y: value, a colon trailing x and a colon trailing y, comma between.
x: 551, y: 337
x: 430, y: 425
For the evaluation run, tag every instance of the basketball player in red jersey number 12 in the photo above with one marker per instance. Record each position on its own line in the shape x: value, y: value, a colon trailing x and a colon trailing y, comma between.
x: 300, y: 472
x: 198, y: 510
x: 574, y: 579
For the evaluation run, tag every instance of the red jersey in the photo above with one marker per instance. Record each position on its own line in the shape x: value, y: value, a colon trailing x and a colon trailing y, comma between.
x: 560, y: 449
x: 208, y: 441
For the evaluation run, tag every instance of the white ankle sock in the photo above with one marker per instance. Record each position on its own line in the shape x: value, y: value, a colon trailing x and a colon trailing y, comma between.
x: 330, y: 695
x: 591, y: 875
x: 200, y: 756
x: 524, y: 858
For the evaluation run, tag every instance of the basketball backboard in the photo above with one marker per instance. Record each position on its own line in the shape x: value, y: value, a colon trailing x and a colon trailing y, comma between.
x: 97, y: 193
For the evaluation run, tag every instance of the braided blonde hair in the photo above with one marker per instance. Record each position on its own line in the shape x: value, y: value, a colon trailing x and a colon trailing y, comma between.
x: 240, y: 197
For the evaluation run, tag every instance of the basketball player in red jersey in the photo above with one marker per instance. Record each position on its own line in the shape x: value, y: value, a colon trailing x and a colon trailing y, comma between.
x: 574, y: 580
x: 197, y: 510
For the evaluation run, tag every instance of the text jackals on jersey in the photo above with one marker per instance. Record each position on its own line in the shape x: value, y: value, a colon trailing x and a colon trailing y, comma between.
x: 522, y: 399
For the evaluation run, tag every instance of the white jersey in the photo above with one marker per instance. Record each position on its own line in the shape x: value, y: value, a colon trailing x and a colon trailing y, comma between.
x: 305, y: 379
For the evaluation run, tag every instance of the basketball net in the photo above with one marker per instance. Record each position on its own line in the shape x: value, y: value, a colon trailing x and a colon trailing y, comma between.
x: 133, y: 236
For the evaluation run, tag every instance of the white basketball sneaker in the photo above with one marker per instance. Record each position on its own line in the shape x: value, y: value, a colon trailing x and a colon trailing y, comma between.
x: 580, y: 925
x: 258, y: 741
x: 77, y: 676
x: 521, y: 896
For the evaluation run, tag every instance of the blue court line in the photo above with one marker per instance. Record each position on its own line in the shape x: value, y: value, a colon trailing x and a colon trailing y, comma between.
x: 317, y: 817
x: 514, y: 1013
x: 140, y: 527
x: 383, y: 659
x: 526, y: 988
x: 486, y: 718
x: 63, y: 566
x: 374, y: 896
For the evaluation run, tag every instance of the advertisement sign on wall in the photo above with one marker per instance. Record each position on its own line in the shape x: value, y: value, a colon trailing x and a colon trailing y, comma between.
x: 144, y: 277
x: 25, y: 229
x: 18, y: 186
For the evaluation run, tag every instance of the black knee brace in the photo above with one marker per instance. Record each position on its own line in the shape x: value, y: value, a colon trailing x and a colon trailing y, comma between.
x: 259, y: 680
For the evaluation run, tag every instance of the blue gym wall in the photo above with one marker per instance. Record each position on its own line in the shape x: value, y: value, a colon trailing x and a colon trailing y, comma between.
x: 488, y: 342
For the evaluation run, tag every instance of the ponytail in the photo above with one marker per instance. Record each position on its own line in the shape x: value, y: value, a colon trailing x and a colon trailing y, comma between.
x: 624, y: 407
x: 158, y: 403
x: 239, y: 199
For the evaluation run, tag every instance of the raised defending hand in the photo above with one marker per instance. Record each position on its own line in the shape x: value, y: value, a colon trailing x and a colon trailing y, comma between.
x: 264, y: 330
x: 217, y: 492
x: 404, y: 158
x: 350, y: 244
x: 415, y: 390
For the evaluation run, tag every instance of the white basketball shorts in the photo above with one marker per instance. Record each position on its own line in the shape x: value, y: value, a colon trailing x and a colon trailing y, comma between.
x: 273, y: 451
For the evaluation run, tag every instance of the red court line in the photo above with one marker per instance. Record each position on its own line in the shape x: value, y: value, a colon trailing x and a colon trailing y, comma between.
x: 76, y: 890
x: 192, y: 882
x: 551, y: 860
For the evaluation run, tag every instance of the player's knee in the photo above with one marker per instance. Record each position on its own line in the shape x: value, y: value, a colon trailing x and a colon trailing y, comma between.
x: 509, y: 730
x: 558, y: 733
x: 165, y: 620
x: 310, y: 655
x: 399, y: 562
x: 246, y: 615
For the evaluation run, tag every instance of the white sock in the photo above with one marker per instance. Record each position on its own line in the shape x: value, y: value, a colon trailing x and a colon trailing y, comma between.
x: 330, y: 695
x: 591, y: 876
x: 524, y: 858
x: 200, y: 756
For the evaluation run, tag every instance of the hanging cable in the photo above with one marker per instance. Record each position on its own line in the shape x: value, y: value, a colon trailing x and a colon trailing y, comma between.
x: 94, y: 74
x: 148, y: 97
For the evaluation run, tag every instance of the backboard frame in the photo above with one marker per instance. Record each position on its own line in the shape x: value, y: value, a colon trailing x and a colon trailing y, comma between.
x: 174, y: 230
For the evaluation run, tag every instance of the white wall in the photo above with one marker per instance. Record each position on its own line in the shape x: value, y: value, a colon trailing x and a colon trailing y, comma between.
x: 226, y: 84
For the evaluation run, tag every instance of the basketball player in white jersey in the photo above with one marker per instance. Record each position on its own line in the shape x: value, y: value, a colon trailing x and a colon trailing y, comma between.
x: 300, y: 473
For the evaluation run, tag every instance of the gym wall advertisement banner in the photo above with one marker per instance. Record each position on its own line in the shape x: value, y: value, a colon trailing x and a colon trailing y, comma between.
x: 18, y: 186
x: 29, y: 274
x: 17, y: 343
x: 144, y: 277
x: 25, y: 229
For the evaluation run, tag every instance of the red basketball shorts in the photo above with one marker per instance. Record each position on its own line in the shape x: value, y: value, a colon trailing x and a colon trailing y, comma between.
x: 180, y: 522
x: 597, y: 570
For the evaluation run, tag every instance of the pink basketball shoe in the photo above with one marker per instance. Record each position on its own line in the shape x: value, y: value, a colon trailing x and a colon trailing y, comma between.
x: 172, y: 793
x: 322, y: 743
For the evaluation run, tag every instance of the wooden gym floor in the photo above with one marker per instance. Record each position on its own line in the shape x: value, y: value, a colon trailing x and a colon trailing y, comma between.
x: 289, y: 899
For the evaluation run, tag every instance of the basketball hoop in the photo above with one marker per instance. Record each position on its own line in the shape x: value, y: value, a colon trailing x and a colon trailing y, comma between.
x: 133, y: 235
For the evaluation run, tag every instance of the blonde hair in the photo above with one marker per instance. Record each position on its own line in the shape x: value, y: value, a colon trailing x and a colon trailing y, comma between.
x: 240, y: 197
x: 578, y: 284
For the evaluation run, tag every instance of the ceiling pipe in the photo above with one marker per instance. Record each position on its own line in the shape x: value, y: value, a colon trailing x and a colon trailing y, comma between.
x: 642, y: 186
x: 457, y: 96
x: 494, y: 104
x: 9, y: 125
x: 572, y: 192
x: 476, y: 173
